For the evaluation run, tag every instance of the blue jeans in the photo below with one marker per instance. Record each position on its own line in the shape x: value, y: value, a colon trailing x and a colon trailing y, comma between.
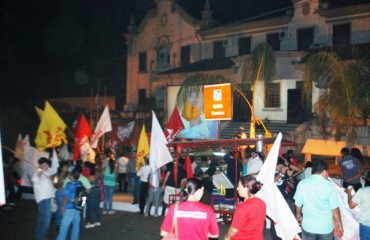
x: 43, y: 218
x: 108, y: 190
x: 364, y: 232
x: 316, y: 236
x: 70, y: 216
x: 93, y: 208
x: 154, y: 196
x: 135, y: 183
x: 59, y: 199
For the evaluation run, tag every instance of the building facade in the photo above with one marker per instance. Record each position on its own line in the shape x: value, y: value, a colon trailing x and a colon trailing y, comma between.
x: 174, y: 42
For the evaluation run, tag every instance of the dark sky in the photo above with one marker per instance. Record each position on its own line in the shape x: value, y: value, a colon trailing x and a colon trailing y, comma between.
x: 53, y: 48
x: 57, y: 48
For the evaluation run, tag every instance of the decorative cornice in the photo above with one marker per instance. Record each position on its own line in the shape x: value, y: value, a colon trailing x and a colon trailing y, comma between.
x: 264, y: 25
x: 349, y: 12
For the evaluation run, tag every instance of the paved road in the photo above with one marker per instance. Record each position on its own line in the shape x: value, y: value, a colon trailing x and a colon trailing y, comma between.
x: 19, y: 223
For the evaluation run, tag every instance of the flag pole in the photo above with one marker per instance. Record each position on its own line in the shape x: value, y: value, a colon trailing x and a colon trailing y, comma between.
x: 97, y: 109
x: 20, y: 157
x: 91, y: 105
x: 104, y: 104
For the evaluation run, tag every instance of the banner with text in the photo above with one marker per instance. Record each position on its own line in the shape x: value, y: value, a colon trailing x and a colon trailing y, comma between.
x: 217, y: 101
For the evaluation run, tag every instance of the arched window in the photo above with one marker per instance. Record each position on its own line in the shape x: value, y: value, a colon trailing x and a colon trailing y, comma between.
x: 163, y: 58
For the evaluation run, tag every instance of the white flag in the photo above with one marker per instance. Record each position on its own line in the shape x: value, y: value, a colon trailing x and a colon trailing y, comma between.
x: 348, y: 216
x: 64, y: 153
x: 86, y: 152
x: 30, y: 164
x: 159, y: 153
x: 2, y: 185
x: 54, y: 162
x: 104, y: 125
x: 125, y: 132
x: 278, y: 210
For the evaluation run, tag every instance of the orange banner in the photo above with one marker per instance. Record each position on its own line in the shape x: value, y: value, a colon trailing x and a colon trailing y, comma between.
x: 217, y: 102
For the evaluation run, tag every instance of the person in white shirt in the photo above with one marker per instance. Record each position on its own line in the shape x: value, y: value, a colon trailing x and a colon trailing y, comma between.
x: 143, y: 173
x: 44, y: 192
x: 254, y: 163
x: 122, y: 168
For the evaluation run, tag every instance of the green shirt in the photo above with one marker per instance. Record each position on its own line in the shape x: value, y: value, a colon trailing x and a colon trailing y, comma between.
x: 318, y: 197
x: 109, y: 178
x: 82, y: 179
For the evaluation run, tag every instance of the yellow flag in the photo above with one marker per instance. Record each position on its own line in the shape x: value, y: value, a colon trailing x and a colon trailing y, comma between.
x: 39, y: 112
x: 51, y: 129
x: 142, y: 149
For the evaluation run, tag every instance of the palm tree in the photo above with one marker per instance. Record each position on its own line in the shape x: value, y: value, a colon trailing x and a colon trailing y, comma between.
x: 260, y: 66
x: 344, y: 103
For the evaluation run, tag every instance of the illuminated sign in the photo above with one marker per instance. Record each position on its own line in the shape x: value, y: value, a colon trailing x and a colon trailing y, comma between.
x: 217, y: 102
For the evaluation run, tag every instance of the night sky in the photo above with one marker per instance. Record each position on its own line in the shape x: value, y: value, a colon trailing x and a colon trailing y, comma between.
x: 53, y: 48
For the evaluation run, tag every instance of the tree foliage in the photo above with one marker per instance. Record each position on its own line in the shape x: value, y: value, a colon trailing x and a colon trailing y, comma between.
x: 260, y: 66
x: 344, y: 102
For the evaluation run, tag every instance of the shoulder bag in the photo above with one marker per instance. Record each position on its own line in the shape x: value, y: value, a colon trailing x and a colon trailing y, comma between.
x: 173, y: 235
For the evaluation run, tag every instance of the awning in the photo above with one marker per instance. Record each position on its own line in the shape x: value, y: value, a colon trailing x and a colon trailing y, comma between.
x: 326, y: 147
x: 323, y: 147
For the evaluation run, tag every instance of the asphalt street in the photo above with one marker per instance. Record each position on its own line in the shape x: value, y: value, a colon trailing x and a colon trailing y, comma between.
x: 19, y: 222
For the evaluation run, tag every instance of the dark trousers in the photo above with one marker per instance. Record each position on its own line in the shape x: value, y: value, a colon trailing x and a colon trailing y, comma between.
x: 122, y: 182
x: 356, y: 186
x: 93, y: 205
x: 144, y: 188
x: 135, y: 185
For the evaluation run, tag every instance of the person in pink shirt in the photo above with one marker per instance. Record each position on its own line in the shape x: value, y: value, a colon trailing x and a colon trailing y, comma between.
x: 195, y: 220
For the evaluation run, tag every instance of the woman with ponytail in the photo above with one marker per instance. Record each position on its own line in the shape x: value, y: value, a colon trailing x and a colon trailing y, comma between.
x: 195, y: 220
x: 249, y: 216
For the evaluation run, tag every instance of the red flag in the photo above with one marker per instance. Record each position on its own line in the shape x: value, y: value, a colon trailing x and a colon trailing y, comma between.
x: 188, y: 168
x: 82, y: 130
x: 115, y: 141
x: 174, y: 126
x: 135, y: 135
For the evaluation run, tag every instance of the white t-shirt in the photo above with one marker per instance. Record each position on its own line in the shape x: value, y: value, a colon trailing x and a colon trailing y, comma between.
x: 122, y: 164
x: 143, y: 173
x: 42, y: 185
x: 254, y: 165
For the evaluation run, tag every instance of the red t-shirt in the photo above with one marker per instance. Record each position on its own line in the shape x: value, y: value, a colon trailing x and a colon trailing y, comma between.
x: 194, y: 221
x: 249, y: 219
x: 293, y: 161
x: 86, y: 172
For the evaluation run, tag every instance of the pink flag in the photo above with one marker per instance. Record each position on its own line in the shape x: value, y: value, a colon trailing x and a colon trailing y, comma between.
x: 277, y: 208
x: 104, y: 125
x: 174, y: 126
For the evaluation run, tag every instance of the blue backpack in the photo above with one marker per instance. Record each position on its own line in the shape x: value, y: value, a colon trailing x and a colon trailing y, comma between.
x: 80, y: 198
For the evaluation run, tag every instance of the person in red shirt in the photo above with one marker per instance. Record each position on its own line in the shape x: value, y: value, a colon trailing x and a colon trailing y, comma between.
x: 86, y: 170
x: 249, y: 216
x: 195, y: 220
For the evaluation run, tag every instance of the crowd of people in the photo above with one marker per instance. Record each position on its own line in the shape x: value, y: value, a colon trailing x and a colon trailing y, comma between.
x: 312, y: 198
